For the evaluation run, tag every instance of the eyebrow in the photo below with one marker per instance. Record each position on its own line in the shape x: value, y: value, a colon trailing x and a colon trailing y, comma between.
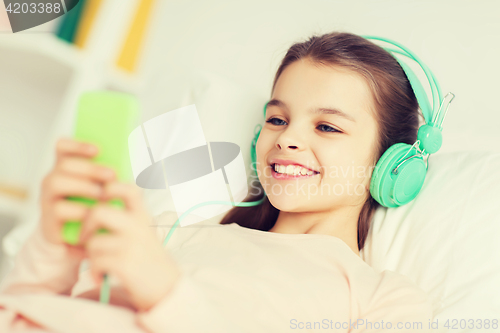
x: 281, y: 104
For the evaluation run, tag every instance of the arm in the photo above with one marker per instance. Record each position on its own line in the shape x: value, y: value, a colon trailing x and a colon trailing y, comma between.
x: 46, y: 264
x: 42, y: 267
x: 398, y: 304
x: 187, y: 309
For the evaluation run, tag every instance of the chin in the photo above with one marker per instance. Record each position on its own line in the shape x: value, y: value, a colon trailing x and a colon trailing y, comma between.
x: 286, y: 202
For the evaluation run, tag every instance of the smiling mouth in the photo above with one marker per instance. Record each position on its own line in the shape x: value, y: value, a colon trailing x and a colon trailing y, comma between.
x: 295, y: 173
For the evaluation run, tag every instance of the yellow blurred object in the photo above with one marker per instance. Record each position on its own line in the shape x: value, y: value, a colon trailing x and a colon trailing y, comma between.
x: 130, y: 51
x: 88, y: 18
x: 13, y: 191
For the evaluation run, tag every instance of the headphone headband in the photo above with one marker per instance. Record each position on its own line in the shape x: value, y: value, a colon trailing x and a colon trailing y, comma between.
x: 419, y: 91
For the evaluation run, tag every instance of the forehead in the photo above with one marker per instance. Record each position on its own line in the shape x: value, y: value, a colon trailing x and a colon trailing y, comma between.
x: 303, y: 85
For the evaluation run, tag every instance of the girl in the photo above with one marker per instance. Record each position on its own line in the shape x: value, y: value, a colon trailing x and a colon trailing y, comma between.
x: 337, y: 103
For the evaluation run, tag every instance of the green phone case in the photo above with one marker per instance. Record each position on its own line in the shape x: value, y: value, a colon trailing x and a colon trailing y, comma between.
x: 105, y: 119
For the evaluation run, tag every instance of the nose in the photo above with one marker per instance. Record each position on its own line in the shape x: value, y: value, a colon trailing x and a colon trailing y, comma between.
x: 289, y: 146
x: 288, y: 141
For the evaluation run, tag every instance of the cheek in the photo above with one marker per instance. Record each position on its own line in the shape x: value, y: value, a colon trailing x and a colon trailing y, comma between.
x: 262, y: 148
x: 347, y: 170
x: 351, y: 160
x: 260, y: 155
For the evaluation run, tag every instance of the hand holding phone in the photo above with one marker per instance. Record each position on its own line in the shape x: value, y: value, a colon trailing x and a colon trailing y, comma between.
x: 104, y: 119
x: 73, y: 175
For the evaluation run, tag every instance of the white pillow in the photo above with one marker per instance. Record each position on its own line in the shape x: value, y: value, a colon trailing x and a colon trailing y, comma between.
x: 447, y: 240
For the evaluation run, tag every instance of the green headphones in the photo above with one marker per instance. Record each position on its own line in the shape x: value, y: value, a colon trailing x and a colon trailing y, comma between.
x: 400, y: 172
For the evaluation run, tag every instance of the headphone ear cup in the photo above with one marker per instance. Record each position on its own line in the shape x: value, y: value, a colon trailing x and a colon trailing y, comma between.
x: 378, y: 174
x: 393, y: 190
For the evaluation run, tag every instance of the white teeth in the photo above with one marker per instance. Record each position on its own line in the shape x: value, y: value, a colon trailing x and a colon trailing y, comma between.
x: 292, y: 170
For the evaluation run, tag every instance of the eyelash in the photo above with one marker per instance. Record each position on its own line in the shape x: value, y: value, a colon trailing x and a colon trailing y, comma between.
x: 334, y: 129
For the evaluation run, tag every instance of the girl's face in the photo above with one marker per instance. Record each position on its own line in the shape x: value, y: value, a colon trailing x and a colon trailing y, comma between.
x: 339, y: 145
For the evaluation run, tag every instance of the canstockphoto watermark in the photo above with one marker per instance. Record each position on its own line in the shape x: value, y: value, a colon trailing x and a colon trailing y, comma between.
x: 329, y: 324
x: 300, y: 188
x: 26, y: 14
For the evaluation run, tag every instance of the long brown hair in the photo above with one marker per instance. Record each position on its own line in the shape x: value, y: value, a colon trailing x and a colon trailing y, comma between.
x: 396, y: 111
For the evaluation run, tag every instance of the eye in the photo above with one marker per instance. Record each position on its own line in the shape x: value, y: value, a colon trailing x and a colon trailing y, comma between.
x: 326, y: 128
x: 329, y: 128
x: 270, y: 120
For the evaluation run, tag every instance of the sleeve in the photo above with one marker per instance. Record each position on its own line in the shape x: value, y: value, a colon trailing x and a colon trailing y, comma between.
x: 397, y: 304
x: 41, y: 267
x: 186, y: 309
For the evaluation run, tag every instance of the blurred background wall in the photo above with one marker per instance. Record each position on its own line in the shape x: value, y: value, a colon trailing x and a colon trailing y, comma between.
x: 222, y: 56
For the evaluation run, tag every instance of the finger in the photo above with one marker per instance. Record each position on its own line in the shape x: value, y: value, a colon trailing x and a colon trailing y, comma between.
x: 85, y: 168
x: 131, y: 194
x: 67, y: 146
x: 104, y: 216
x: 61, y: 186
x: 103, y: 245
x: 65, y: 211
